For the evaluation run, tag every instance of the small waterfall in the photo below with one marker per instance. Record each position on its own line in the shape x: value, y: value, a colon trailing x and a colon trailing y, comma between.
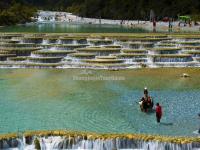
x: 72, y: 60
x: 150, y: 60
x: 169, y: 60
x: 45, y: 42
x: 82, y: 142
x: 128, y: 61
x: 59, y: 41
x: 46, y: 16
x: 75, y: 42
x: 135, y: 51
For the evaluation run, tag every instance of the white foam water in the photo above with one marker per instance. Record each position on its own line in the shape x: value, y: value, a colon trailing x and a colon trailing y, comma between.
x: 59, y: 142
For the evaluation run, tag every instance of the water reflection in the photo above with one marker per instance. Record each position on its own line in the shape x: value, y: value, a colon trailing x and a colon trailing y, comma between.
x: 69, y: 28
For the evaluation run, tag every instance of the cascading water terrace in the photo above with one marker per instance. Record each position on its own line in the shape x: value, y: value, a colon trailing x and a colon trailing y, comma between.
x: 47, y: 16
x: 50, y: 140
x: 130, y: 50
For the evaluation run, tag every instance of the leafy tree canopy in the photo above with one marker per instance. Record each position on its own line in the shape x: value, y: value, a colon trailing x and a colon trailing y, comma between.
x: 18, y: 11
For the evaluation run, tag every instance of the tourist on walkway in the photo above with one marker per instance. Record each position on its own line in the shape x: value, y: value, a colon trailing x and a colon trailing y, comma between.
x: 158, y: 112
x: 170, y: 24
x: 154, y: 25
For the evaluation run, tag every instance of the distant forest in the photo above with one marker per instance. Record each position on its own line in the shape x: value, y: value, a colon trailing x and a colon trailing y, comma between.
x: 19, y: 11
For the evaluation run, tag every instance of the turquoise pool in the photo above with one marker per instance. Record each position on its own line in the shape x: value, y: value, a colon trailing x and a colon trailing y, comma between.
x: 34, y: 99
x: 70, y: 28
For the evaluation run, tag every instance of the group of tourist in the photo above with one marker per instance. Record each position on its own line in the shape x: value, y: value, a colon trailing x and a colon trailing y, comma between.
x: 146, y: 104
x: 146, y: 101
x: 170, y: 26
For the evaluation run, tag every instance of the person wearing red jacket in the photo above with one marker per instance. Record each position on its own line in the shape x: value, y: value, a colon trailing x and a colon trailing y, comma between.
x: 158, y: 112
x: 199, y: 128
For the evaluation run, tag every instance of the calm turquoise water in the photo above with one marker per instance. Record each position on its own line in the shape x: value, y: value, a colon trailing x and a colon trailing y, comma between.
x: 33, y: 99
x: 70, y: 28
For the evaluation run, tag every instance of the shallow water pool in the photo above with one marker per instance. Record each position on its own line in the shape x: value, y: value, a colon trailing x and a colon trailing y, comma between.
x: 34, y: 99
x: 70, y: 28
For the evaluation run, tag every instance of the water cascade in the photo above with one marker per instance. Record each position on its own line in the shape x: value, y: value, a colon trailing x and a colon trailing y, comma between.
x: 152, y: 50
x: 49, y: 140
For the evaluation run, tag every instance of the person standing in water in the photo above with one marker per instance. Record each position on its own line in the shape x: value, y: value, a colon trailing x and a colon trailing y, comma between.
x: 199, y: 118
x: 143, y: 101
x: 146, y: 93
x: 158, y: 112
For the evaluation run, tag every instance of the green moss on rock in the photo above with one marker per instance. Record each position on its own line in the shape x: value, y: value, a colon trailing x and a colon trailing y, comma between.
x: 17, y: 58
x: 45, y: 59
x: 104, y: 61
x: 99, y: 49
x: 165, y: 49
x: 37, y: 144
x: 83, y: 55
x: 134, y: 51
x: 130, y: 55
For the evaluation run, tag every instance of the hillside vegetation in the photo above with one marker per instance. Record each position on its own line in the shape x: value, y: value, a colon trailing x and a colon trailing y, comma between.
x: 20, y: 11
